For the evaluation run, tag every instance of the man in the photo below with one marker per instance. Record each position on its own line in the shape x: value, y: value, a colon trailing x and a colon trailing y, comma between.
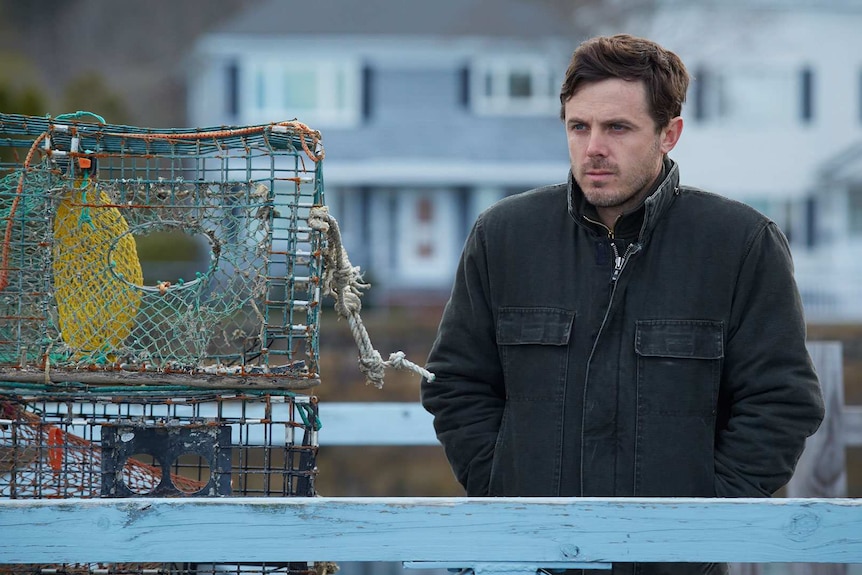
x: 622, y: 334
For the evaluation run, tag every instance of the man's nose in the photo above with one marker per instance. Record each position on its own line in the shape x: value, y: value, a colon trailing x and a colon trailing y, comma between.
x: 597, y: 146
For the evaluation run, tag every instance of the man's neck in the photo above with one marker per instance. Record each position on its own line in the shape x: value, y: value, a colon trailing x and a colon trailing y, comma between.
x: 610, y: 215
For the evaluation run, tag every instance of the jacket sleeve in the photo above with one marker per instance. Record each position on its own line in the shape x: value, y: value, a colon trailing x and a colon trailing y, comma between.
x: 466, y: 397
x: 769, y: 387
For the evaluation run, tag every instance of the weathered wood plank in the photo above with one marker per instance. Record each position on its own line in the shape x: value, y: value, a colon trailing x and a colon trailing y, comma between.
x: 430, y: 529
x: 853, y: 425
x: 822, y: 469
x: 119, y: 377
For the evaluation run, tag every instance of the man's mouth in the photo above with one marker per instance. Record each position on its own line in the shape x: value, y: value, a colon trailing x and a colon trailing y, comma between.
x: 599, y: 174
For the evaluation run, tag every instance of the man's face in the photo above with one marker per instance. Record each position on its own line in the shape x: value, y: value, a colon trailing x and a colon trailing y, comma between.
x: 614, y: 147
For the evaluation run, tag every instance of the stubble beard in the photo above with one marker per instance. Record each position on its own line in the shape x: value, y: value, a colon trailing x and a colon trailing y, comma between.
x: 608, y: 195
x: 619, y: 192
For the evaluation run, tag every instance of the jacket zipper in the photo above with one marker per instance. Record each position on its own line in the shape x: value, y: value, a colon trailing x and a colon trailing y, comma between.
x: 619, y: 265
x: 620, y: 262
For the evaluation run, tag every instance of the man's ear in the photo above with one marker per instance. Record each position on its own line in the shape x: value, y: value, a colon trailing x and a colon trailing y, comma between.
x: 670, y: 134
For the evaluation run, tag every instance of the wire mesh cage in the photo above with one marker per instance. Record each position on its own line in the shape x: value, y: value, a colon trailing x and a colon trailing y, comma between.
x: 156, y: 442
x: 142, y: 443
x: 78, y: 302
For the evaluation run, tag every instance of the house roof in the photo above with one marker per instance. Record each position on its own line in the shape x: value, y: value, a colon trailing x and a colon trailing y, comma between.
x: 509, y: 18
x: 482, y: 18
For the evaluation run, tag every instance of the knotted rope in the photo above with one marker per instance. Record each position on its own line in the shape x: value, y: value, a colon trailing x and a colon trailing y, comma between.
x: 344, y: 282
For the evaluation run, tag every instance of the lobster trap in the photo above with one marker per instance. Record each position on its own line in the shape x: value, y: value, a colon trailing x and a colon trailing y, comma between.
x: 159, y: 301
x: 88, y: 213
x: 156, y: 442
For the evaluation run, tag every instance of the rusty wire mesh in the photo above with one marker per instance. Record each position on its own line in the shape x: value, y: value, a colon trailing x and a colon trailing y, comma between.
x: 177, y: 443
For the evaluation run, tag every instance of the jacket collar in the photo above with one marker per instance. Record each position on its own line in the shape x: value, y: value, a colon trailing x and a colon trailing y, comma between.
x: 636, y: 223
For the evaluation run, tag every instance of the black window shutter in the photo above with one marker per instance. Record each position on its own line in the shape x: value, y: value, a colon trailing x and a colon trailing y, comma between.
x: 806, y: 78
x: 810, y: 222
x: 464, y: 222
x: 367, y: 87
x: 365, y: 216
x: 699, y: 86
x: 232, y: 89
x: 465, y: 86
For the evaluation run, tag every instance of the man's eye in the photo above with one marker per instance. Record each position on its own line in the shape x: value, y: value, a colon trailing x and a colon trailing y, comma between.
x: 617, y: 127
x: 579, y: 127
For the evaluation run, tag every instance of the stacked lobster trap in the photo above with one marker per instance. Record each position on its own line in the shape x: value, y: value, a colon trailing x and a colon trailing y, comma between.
x: 119, y: 382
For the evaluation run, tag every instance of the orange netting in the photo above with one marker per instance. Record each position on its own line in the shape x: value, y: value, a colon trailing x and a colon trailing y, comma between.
x: 44, y: 461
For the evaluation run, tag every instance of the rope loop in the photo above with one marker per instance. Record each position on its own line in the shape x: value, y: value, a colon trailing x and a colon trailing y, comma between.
x: 344, y: 282
x: 78, y: 115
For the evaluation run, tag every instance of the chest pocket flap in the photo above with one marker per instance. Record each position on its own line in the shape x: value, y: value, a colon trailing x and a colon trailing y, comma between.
x: 534, y: 325
x: 695, y: 339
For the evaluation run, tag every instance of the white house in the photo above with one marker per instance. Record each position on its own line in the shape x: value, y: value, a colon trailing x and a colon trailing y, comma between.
x: 431, y: 111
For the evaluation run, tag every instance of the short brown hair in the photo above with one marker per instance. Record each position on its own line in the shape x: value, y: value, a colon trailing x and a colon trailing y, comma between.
x: 633, y: 59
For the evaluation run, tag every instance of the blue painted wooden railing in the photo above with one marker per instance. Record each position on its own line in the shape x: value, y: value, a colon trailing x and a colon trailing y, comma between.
x: 499, y: 534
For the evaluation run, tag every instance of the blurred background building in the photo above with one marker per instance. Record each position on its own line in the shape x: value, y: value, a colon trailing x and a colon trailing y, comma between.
x: 431, y: 111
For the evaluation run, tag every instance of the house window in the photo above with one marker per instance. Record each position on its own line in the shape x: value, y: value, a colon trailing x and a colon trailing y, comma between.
x: 319, y: 93
x: 520, y: 85
x: 754, y: 95
x: 515, y: 86
x: 299, y: 89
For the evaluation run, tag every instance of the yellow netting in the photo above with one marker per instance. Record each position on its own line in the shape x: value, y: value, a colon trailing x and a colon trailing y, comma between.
x: 95, y: 268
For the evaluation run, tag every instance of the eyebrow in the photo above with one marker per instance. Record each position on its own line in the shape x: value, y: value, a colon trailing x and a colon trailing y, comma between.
x: 626, y: 121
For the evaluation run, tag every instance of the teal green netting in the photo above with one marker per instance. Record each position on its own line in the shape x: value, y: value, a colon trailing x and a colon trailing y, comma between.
x: 76, y: 202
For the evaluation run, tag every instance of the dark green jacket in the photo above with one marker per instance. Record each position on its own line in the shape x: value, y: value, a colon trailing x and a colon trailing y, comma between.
x: 676, y: 369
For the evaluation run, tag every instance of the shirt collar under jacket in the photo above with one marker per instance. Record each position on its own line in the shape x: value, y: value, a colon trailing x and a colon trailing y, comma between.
x: 637, y: 223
